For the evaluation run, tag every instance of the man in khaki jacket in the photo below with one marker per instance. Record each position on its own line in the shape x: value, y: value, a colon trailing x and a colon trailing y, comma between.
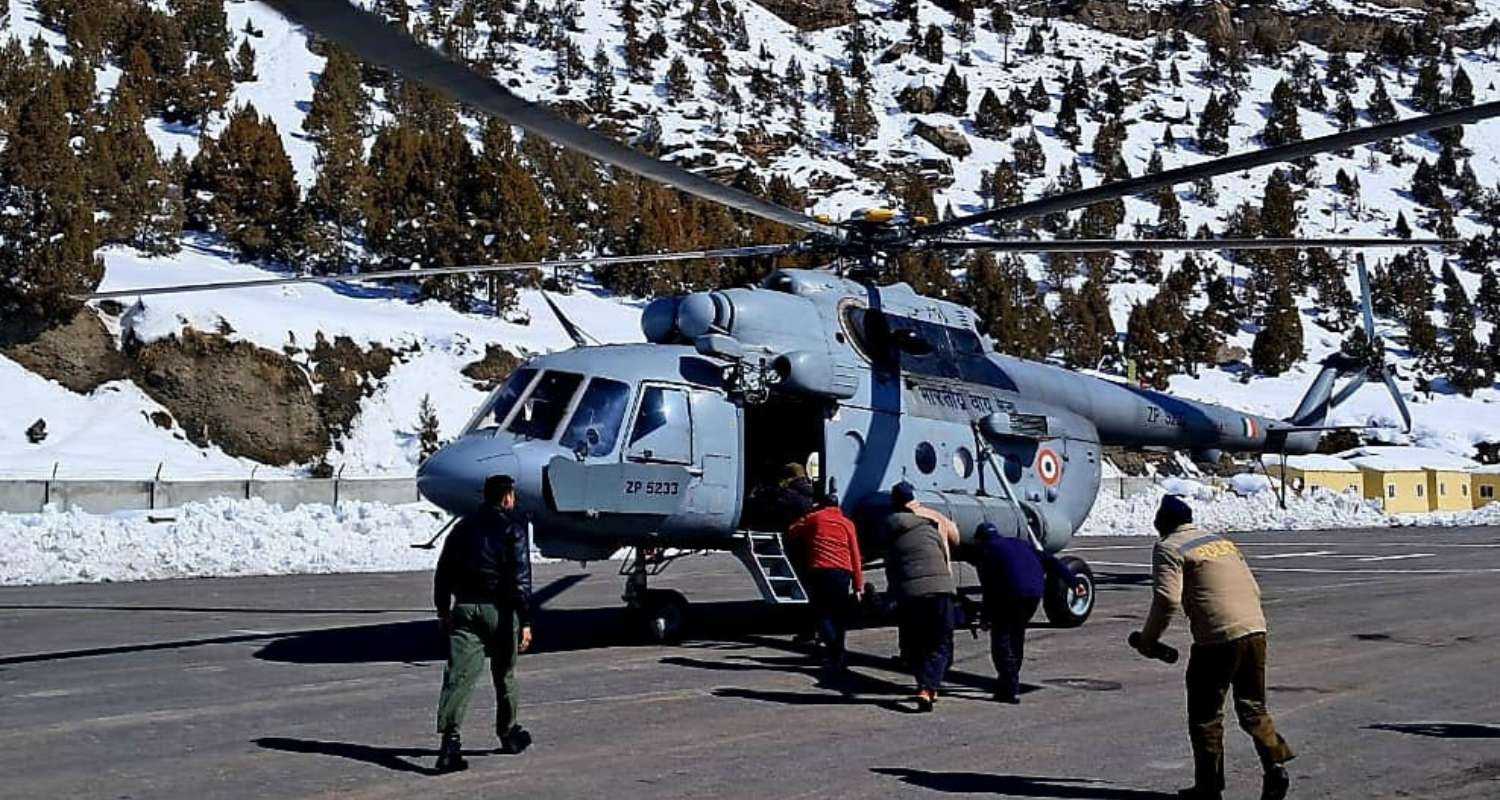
x: 1206, y: 576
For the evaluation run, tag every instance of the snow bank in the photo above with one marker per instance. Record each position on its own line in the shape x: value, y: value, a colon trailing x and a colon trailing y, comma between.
x: 1218, y: 511
x: 216, y: 538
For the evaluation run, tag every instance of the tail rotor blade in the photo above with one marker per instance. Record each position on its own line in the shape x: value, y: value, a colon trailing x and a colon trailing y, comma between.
x: 1364, y: 300
x: 1349, y: 389
x: 1388, y: 377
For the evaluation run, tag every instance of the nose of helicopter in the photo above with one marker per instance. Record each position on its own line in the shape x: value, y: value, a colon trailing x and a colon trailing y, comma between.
x: 453, y: 477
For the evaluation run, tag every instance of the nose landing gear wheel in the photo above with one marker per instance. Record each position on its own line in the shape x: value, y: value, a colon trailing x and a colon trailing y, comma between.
x: 662, y: 616
x: 1064, y: 606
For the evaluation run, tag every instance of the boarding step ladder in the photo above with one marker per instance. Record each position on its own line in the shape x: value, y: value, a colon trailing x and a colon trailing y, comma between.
x: 765, y: 556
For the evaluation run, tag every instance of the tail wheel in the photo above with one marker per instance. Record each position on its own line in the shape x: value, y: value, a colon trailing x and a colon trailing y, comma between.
x: 1065, y: 607
x: 663, y: 616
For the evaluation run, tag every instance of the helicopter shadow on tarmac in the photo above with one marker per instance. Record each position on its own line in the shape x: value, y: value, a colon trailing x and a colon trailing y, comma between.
x: 1018, y: 785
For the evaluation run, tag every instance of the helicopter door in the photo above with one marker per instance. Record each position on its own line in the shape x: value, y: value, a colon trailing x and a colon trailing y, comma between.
x: 713, y: 502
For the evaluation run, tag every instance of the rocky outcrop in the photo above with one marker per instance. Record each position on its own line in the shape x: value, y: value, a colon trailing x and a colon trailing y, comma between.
x: 918, y: 99
x: 1259, y: 24
x: 492, y: 370
x: 345, y: 374
x: 945, y: 138
x: 812, y: 15
x: 80, y: 353
x: 251, y: 402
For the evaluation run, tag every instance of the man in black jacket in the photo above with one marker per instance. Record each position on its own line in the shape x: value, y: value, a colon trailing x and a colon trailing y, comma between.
x: 485, y: 574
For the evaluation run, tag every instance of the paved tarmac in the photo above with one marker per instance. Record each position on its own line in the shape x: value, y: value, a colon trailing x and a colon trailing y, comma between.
x: 1384, y: 677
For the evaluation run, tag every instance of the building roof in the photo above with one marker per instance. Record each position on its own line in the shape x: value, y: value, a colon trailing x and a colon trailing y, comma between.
x: 1390, y: 458
x: 1316, y: 462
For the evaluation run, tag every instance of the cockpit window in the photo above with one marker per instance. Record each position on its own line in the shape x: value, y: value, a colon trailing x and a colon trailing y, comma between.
x: 663, y: 431
x: 498, y: 405
x: 600, y: 413
x: 543, y: 409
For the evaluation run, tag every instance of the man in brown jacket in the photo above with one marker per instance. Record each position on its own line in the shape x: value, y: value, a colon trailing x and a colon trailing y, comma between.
x: 1206, y: 575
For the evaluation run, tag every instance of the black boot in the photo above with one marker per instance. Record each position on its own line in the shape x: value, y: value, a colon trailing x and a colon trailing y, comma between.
x: 450, y: 756
x: 514, y: 741
x: 1275, y: 783
x: 1194, y: 793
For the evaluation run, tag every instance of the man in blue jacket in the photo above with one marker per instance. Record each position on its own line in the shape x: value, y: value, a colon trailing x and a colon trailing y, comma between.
x: 1013, y: 574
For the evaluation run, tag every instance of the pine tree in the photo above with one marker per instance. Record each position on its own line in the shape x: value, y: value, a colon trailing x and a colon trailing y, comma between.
x: 1380, y: 108
x: 1086, y: 330
x: 1278, y: 345
x: 1344, y: 114
x: 339, y: 97
x: 932, y: 44
x: 1037, y: 98
x: 679, y: 82
x: 602, y: 87
x: 427, y: 428
x: 243, y: 188
x: 1213, y: 127
x: 993, y: 118
x: 1107, y: 143
x: 1034, y: 45
x: 1067, y: 126
x: 1426, y: 187
x: 863, y: 124
x: 838, y: 104
x: 1004, y: 26
x: 1030, y: 158
x: 1169, y: 223
x: 1488, y: 298
x: 1013, y: 311
x: 953, y: 97
x: 243, y: 68
x: 130, y: 183
x: 1427, y: 94
x: 1402, y: 228
x: 1462, y: 93
x: 1204, y: 192
x: 508, y: 206
x: 1282, y: 125
x: 1339, y: 77
x: 47, y: 222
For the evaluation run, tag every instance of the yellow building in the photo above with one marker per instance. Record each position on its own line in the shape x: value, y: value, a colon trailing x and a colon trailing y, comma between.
x: 1318, y: 471
x: 1449, y: 490
x: 1485, y: 485
x: 1414, y: 479
x: 1400, y: 489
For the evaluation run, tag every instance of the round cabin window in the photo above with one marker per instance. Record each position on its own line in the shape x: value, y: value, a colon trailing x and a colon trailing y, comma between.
x: 926, y: 458
x: 963, y: 462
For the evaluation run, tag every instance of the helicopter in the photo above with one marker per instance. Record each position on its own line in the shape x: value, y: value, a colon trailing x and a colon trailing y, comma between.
x: 658, y: 446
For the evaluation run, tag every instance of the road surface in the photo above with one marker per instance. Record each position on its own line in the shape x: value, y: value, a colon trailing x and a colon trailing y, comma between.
x: 1385, y: 677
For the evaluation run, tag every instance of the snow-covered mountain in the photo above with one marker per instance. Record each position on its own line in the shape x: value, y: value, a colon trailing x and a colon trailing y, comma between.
x: 117, y: 429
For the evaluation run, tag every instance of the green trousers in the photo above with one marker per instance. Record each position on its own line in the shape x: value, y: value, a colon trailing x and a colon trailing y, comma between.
x: 479, y: 630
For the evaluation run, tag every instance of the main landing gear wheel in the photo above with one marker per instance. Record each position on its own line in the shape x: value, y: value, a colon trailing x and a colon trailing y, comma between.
x: 1065, y: 608
x: 662, y: 616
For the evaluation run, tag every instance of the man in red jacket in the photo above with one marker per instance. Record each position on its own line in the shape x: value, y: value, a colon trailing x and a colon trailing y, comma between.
x: 833, y: 568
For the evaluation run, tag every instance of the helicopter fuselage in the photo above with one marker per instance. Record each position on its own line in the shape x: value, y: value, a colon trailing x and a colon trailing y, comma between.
x: 662, y: 444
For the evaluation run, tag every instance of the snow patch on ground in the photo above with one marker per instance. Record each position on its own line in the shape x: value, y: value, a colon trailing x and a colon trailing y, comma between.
x: 1222, y: 511
x: 212, y: 539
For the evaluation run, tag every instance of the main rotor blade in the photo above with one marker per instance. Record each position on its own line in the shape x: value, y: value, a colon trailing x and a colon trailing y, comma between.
x: 1259, y: 158
x: 371, y: 38
x: 399, y: 274
x: 1138, y: 245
